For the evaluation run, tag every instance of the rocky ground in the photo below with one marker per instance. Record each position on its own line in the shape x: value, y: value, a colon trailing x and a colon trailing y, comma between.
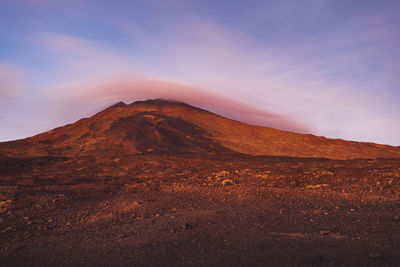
x: 199, y: 210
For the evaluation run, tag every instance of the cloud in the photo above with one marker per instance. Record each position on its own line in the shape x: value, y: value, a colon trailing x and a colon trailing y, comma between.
x: 11, y: 80
x: 334, y: 82
x: 105, y: 75
x: 325, y: 80
x: 107, y: 92
x: 79, y: 57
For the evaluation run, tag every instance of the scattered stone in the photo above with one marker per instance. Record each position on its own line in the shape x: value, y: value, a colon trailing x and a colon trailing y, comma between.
x: 262, y: 176
x: 221, y: 173
x: 397, y: 218
x: 68, y: 224
x: 324, y: 232
x: 5, y: 205
x: 135, y: 204
x: 337, y: 236
x: 295, y: 235
x: 227, y: 182
x: 317, y: 186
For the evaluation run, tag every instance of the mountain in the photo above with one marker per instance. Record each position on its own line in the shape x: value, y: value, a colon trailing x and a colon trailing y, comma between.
x: 160, y: 126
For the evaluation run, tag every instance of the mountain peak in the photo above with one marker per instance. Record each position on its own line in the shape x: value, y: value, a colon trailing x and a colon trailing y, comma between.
x: 118, y: 104
x: 157, y: 104
x: 157, y: 101
x: 160, y: 102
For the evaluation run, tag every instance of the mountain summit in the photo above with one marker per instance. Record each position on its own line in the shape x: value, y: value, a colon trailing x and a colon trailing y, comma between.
x: 161, y: 126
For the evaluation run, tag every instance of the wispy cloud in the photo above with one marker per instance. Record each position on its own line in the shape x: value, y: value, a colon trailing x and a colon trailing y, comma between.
x: 320, y: 80
x: 79, y: 57
x: 11, y: 80
x: 110, y: 91
x: 309, y: 82
x: 97, y: 75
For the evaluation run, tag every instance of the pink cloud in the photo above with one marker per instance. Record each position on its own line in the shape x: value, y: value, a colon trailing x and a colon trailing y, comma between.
x: 129, y: 90
x: 76, y: 48
x: 11, y: 79
x: 208, y: 56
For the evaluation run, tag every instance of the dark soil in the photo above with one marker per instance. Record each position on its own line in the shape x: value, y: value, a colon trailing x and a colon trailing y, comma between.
x: 173, y: 210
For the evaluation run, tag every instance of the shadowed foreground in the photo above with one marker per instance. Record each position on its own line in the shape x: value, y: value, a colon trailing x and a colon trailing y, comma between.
x: 158, y: 210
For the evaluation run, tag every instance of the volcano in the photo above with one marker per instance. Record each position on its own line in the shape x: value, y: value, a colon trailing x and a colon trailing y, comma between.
x: 163, y: 183
x: 161, y: 126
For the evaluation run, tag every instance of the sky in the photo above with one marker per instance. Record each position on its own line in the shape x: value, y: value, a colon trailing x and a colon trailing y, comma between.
x: 325, y: 67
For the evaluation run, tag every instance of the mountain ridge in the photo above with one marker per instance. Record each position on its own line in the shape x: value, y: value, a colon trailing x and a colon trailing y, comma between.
x: 168, y: 126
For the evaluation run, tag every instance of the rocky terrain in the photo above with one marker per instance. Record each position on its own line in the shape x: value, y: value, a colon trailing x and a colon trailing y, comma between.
x: 159, y: 183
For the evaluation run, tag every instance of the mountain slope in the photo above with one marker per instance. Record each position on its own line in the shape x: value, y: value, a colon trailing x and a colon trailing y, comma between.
x: 171, y: 127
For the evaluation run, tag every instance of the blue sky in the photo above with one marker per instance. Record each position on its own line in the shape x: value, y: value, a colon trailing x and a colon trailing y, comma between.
x: 328, y: 68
